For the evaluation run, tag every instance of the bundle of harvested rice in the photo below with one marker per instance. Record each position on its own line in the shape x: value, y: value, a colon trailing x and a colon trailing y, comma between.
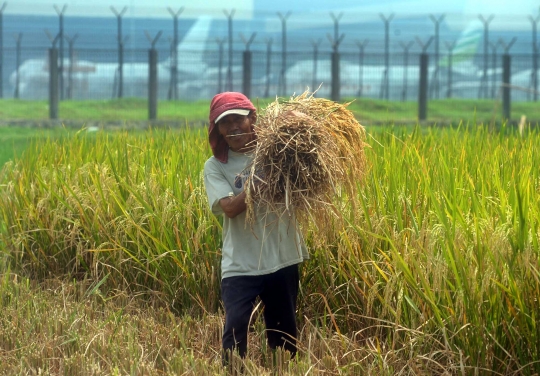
x: 307, y: 150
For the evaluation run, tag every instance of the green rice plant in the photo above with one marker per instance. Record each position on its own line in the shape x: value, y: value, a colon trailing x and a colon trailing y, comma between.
x: 127, y: 204
x: 436, y: 263
x: 446, y: 243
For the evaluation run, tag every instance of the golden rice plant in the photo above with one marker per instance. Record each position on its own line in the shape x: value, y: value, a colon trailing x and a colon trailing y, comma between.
x: 308, y: 149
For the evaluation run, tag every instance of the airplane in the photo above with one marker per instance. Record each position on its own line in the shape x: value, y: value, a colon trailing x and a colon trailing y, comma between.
x: 370, y: 80
x: 92, y: 80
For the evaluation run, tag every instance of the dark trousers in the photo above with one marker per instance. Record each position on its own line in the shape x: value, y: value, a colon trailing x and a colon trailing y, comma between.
x: 278, y: 291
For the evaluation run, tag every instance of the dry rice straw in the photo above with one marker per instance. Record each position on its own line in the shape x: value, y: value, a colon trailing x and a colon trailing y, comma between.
x: 308, y: 149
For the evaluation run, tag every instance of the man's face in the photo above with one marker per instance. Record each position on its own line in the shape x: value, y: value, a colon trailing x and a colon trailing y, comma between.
x: 237, y: 130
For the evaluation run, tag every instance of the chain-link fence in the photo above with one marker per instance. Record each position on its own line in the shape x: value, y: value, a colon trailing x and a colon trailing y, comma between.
x: 96, y: 74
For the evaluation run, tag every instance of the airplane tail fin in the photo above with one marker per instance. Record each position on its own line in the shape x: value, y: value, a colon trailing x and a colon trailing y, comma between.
x: 465, y: 47
x: 197, y: 37
x: 194, y: 44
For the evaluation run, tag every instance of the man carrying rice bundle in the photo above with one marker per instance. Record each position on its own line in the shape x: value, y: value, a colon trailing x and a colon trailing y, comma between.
x: 260, y: 259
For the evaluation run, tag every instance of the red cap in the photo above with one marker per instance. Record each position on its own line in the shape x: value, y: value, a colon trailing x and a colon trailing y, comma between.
x: 221, y: 103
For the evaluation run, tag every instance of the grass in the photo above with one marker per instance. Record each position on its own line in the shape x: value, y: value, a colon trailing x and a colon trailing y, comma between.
x: 368, y: 111
x: 442, y: 111
x: 15, y: 140
x: 71, y: 328
x: 126, y: 109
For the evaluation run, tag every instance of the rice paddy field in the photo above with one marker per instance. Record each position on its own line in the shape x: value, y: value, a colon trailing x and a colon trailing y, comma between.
x: 109, y: 259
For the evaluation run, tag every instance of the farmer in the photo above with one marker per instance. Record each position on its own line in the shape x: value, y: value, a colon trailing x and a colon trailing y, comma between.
x: 259, y: 259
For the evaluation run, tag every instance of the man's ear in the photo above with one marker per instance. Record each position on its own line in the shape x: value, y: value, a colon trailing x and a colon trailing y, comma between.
x: 253, y: 117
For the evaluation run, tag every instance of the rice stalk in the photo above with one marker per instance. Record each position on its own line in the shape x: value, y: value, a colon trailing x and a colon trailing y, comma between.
x: 308, y: 150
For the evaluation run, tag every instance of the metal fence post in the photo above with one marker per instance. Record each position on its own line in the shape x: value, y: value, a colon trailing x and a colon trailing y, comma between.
x: 152, y: 84
x: 246, y: 73
x: 450, y: 46
x: 268, y: 67
x: 60, y: 13
x: 246, y: 66
x: 173, y: 84
x: 120, y: 91
x: 53, y: 83
x: 220, y: 42
x: 384, y: 83
x: 494, y: 68
x: 336, y: 84
x: 435, y: 82
x: 534, y: 76
x: 315, y: 45
x: 361, y: 46
x: 507, y: 71
x: 406, y: 47
x: 483, y: 89
x: 229, y: 82
x: 71, y: 52
x: 507, y: 60
x: 423, y: 80
x: 282, y: 87
x: 152, y: 77
x: 18, y: 39
x: 335, y: 70
x: 423, y: 86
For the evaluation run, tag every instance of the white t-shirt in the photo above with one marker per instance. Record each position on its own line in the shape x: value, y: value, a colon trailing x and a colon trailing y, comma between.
x: 271, y: 243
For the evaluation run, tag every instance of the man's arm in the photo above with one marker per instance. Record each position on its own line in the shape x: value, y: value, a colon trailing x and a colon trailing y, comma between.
x: 233, y: 205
